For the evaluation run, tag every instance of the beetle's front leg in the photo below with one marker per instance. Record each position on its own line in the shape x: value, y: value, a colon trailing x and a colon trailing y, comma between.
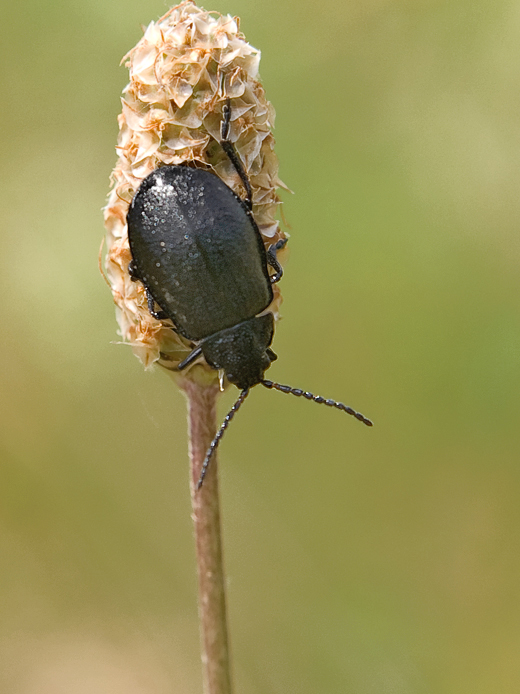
x: 273, y: 261
x: 192, y: 356
x: 230, y: 150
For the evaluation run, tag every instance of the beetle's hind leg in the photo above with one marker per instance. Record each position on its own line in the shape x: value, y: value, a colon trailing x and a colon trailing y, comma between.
x: 158, y: 315
x: 273, y: 261
x: 230, y: 150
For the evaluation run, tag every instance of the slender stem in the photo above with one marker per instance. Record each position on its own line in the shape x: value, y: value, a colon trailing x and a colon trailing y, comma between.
x: 206, y: 518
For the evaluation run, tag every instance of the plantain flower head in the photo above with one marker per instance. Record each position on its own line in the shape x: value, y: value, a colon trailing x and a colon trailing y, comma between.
x: 182, y: 72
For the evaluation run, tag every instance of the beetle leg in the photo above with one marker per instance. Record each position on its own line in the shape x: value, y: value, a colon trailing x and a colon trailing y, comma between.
x: 158, y: 315
x: 273, y: 262
x: 132, y: 271
x: 195, y: 354
x: 230, y: 150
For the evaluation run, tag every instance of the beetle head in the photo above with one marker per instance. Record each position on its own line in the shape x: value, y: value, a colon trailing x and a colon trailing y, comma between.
x: 242, y: 350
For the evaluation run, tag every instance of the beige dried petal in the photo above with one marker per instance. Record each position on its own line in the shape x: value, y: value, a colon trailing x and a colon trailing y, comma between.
x: 153, y: 35
x: 149, y: 94
x: 234, y: 86
x: 269, y: 230
x: 249, y: 145
x: 130, y: 117
x: 191, y: 114
x: 144, y: 168
x: 181, y: 90
x: 148, y: 143
x: 176, y: 137
x: 143, y: 65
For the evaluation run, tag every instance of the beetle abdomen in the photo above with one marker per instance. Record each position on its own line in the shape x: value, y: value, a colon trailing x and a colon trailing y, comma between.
x: 197, y: 250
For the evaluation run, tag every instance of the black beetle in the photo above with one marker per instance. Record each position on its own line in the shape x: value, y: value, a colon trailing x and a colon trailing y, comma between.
x: 198, y: 251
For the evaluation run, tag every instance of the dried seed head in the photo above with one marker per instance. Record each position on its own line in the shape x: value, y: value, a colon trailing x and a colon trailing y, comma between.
x: 182, y: 72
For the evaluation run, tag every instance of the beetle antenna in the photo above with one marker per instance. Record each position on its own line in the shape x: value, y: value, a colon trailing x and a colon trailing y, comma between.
x: 317, y: 398
x: 220, y: 433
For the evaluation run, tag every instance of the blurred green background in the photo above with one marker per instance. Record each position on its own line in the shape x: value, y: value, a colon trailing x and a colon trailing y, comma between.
x: 359, y: 561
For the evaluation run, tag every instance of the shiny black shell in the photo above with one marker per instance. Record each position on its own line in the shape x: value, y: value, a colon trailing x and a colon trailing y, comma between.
x: 198, y: 251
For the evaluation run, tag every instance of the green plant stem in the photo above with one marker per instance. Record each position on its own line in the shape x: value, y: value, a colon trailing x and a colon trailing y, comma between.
x: 206, y: 517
